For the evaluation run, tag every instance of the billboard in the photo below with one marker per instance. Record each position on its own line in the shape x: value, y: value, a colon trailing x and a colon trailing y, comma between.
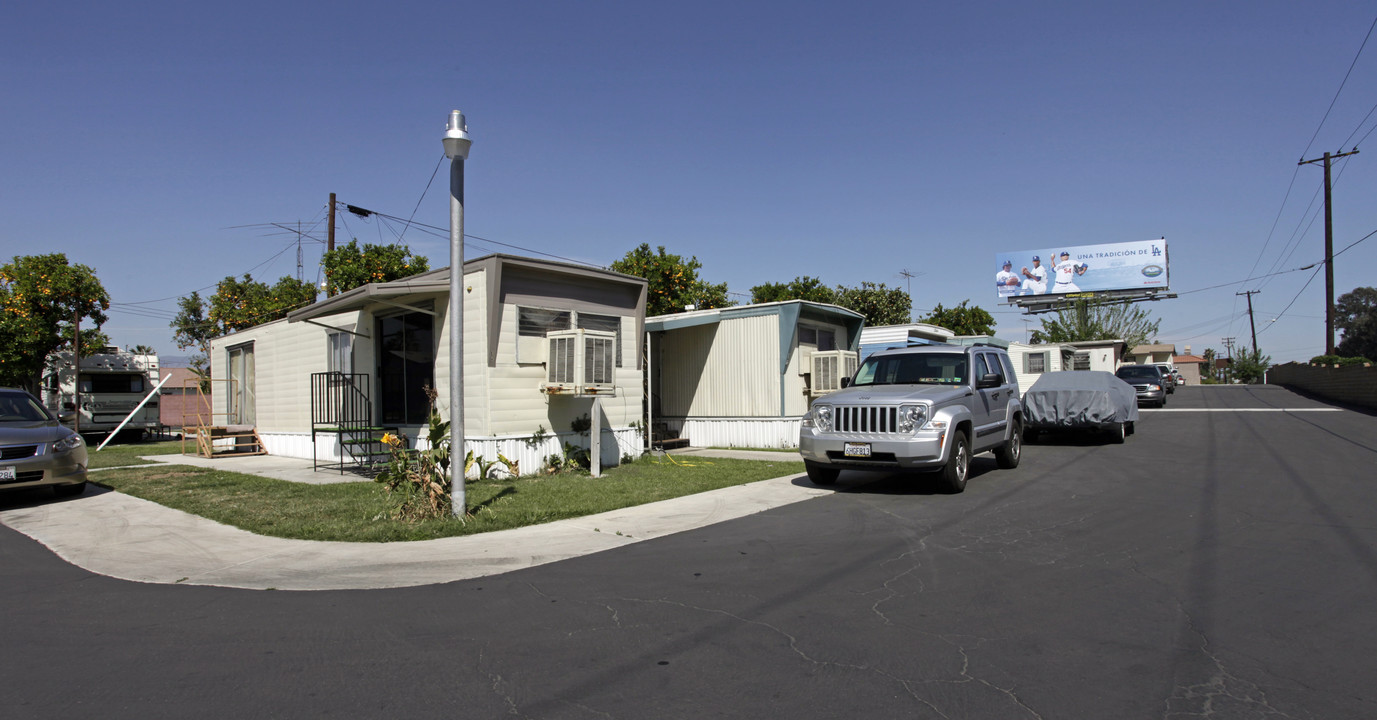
x: 1082, y: 269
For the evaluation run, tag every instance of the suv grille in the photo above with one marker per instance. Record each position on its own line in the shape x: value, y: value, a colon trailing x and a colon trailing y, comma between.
x: 865, y: 419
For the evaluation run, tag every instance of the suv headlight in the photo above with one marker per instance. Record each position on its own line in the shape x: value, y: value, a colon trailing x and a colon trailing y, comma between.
x: 819, y: 418
x: 912, y: 417
x: 67, y: 444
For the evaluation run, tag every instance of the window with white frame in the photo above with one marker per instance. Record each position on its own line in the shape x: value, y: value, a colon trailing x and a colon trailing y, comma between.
x: 534, y: 323
x: 821, y: 339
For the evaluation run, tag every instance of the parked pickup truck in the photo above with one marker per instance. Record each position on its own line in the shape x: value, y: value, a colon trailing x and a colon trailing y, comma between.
x: 927, y: 408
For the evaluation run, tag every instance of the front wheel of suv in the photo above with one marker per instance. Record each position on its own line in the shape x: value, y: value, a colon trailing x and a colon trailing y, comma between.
x: 821, y: 474
x: 958, y: 464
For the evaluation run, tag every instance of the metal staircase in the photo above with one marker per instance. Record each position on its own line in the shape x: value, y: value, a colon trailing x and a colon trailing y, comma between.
x: 342, y: 409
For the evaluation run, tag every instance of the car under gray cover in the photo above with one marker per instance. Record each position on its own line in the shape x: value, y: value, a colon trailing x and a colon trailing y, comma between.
x: 1089, y: 399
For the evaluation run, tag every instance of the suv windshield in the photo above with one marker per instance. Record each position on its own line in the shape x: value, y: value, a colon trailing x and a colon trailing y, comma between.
x: 21, y: 407
x: 914, y: 369
x: 1139, y: 373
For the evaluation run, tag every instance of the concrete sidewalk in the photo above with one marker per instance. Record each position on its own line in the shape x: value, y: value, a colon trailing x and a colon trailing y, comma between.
x: 124, y: 537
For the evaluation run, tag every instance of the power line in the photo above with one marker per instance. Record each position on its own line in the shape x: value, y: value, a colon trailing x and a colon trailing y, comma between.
x: 1341, y: 87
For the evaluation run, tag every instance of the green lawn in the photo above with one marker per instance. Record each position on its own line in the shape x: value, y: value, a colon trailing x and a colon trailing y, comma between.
x: 120, y: 455
x: 360, y: 511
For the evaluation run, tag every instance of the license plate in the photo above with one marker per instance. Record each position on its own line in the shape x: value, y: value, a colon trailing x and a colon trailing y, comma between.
x: 856, y: 450
x: 8, y: 473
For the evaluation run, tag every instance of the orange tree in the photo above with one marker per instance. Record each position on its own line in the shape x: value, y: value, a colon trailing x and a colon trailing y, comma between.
x: 673, y: 282
x: 349, y: 266
x: 40, y: 298
x: 236, y: 305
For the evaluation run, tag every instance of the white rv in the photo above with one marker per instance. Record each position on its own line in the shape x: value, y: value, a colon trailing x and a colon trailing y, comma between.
x: 113, y: 382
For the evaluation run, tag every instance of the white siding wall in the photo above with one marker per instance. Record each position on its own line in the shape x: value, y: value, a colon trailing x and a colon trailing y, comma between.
x: 530, y: 457
x: 730, y: 369
x: 285, y: 355
x: 1018, y: 353
x: 476, y: 379
x: 741, y: 432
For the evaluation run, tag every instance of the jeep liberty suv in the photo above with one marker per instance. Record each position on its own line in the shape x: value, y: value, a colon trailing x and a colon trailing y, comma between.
x: 927, y: 408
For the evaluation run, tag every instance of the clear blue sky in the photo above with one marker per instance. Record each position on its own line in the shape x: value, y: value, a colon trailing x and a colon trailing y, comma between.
x: 845, y: 141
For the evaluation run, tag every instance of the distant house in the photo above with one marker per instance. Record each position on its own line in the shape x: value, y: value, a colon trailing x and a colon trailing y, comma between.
x: 370, y: 355
x: 1105, y: 355
x: 1191, y: 367
x: 1150, y: 354
x: 744, y: 376
x: 884, y: 337
x: 178, y: 400
x: 1032, y: 361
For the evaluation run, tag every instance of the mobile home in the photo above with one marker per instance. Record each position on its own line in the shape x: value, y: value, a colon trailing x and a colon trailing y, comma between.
x: 377, y: 354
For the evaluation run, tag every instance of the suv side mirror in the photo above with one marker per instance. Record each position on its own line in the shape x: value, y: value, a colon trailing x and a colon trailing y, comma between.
x: 988, y: 380
x: 846, y: 382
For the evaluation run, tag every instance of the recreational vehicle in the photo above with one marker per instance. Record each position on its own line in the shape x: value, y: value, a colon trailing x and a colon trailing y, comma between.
x: 112, y: 383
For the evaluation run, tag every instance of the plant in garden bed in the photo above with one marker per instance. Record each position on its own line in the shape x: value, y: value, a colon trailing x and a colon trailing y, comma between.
x: 418, y: 481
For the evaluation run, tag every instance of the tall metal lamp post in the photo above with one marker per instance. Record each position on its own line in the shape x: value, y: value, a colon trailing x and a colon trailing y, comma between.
x: 457, y: 150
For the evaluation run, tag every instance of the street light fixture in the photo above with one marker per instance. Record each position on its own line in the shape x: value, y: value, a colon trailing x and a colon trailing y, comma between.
x: 457, y: 144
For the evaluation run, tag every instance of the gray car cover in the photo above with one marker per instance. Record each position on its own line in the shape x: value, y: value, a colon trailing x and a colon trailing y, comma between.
x: 1079, y: 398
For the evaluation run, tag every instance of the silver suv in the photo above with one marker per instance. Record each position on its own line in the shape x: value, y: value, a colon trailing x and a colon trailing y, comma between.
x: 918, y: 408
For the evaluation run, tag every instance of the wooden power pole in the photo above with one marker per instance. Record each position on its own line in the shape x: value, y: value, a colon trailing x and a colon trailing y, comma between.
x: 1251, y: 325
x: 1328, y: 251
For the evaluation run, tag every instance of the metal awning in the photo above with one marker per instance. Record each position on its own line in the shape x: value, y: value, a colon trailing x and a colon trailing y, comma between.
x: 373, y: 294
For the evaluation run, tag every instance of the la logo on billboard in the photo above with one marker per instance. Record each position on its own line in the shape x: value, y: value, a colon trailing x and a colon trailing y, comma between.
x: 1156, y: 251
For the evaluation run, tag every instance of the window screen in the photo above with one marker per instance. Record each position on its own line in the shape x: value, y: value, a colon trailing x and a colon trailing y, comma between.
x: 536, y: 322
x: 1035, y: 363
x: 1081, y: 361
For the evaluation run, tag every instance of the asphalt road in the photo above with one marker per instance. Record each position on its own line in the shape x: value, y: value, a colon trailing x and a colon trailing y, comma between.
x: 1221, y: 563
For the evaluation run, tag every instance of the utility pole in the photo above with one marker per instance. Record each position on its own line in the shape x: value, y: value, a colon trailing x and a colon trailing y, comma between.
x: 1251, y: 325
x: 1328, y: 250
x: 330, y: 240
x: 1229, y: 367
x: 76, y: 365
x: 330, y: 233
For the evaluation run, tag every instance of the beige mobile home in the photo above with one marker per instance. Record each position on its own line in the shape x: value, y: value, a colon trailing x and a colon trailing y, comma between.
x: 367, y: 356
x: 1032, y: 361
x: 744, y: 376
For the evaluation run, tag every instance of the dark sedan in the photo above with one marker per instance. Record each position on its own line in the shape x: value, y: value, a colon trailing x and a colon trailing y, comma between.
x: 35, y: 449
x: 1147, y: 381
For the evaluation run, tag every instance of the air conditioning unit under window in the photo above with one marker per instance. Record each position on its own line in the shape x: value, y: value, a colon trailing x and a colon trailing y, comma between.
x: 580, y: 362
x: 828, y: 369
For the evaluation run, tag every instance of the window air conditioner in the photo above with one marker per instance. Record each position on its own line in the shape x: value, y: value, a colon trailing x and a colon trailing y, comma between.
x: 828, y: 369
x: 580, y: 362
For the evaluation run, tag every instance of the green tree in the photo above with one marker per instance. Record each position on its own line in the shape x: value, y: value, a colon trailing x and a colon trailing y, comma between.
x: 236, y: 305
x: 41, y: 296
x: 143, y: 350
x: 800, y: 288
x: 1355, y: 313
x: 879, y: 304
x: 349, y: 266
x: 961, y: 320
x: 673, y: 282
x: 1250, y: 365
x: 1207, y: 372
x: 1087, y: 320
